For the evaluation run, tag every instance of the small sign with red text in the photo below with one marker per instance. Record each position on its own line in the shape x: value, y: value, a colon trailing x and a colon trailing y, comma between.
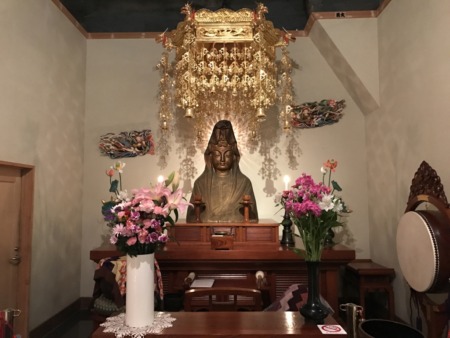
x: 331, y: 329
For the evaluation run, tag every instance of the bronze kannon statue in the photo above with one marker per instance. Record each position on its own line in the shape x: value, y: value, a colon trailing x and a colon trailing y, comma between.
x: 222, y: 186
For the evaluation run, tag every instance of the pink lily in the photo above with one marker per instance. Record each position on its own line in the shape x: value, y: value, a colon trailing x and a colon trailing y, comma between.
x: 158, y: 191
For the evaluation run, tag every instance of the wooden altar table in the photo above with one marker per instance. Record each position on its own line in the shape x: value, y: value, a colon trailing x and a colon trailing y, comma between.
x: 281, y: 266
x: 237, y: 324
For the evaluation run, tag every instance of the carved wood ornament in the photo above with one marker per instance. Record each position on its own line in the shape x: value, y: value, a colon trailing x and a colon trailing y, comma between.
x: 426, y: 186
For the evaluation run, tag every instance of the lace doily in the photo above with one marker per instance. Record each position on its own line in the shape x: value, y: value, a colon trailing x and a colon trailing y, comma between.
x: 117, y: 325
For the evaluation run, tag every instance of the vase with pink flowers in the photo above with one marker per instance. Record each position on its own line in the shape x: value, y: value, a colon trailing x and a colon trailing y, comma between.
x: 138, y: 225
x: 315, y: 209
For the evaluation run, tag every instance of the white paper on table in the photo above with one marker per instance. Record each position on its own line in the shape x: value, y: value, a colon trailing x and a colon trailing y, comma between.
x: 202, y: 283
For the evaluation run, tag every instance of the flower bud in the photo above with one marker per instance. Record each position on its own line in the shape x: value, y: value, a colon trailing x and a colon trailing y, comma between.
x: 110, y: 172
x: 176, y: 181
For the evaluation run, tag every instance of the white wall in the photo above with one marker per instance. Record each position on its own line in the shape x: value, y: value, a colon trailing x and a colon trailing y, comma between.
x: 42, y: 87
x: 121, y: 96
x: 412, y: 123
x: 357, y: 40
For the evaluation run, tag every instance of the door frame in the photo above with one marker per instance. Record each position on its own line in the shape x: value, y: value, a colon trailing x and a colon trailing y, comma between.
x: 27, y: 174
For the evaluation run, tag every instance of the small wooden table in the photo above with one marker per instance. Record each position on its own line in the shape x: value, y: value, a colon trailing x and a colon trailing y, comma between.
x: 237, y: 324
x: 368, y: 276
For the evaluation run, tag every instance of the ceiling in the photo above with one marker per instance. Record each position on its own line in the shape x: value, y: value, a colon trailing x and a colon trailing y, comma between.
x: 132, y: 16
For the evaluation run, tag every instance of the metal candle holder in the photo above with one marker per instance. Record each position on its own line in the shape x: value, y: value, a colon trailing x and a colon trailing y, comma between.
x: 288, y: 237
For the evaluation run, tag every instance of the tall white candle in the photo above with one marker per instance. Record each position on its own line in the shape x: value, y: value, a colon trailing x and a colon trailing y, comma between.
x: 286, y: 180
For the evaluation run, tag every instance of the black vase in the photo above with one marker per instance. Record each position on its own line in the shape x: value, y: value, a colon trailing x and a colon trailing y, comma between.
x: 314, y: 310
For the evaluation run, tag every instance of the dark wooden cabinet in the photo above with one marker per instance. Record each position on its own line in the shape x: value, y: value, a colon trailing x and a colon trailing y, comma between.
x: 252, y: 252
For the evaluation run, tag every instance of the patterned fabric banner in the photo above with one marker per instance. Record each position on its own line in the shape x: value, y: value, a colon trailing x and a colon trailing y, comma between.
x: 317, y: 114
x: 127, y: 144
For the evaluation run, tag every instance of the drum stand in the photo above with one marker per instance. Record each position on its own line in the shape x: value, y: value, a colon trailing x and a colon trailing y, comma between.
x: 436, y: 315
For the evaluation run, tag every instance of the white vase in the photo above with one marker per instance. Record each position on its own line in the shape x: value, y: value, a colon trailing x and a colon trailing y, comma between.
x: 139, y: 305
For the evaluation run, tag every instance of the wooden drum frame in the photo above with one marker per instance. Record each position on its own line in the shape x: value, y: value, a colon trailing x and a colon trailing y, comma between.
x: 423, y: 239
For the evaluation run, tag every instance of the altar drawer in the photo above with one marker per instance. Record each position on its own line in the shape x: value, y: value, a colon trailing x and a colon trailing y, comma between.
x: 261, y: 234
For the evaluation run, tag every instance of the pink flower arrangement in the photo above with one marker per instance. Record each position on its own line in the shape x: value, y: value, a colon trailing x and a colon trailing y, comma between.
x: 314, y: 209
x: 139, y: 222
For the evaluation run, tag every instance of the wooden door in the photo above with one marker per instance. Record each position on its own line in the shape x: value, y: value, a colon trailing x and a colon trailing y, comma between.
x: 16, y: 201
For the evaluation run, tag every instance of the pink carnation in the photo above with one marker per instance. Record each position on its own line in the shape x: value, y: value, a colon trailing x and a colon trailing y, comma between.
x: 142, y: 235
x: 131, y: 241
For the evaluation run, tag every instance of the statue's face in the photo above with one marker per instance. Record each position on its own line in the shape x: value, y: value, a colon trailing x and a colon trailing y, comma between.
x: 222, y: 160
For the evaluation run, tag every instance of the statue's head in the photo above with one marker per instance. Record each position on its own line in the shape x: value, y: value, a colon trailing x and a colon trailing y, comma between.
x: 222, y: 152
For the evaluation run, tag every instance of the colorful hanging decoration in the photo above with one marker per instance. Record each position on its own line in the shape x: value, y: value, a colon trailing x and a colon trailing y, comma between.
x: 317, y: 114
x: 127, y: 144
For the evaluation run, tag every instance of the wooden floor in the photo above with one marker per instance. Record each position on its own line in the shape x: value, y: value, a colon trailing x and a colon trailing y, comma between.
x: 77, y: 326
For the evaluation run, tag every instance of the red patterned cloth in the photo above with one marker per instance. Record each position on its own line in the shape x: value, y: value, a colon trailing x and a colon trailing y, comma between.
x: 292, y: 300
x: 111, y: 277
